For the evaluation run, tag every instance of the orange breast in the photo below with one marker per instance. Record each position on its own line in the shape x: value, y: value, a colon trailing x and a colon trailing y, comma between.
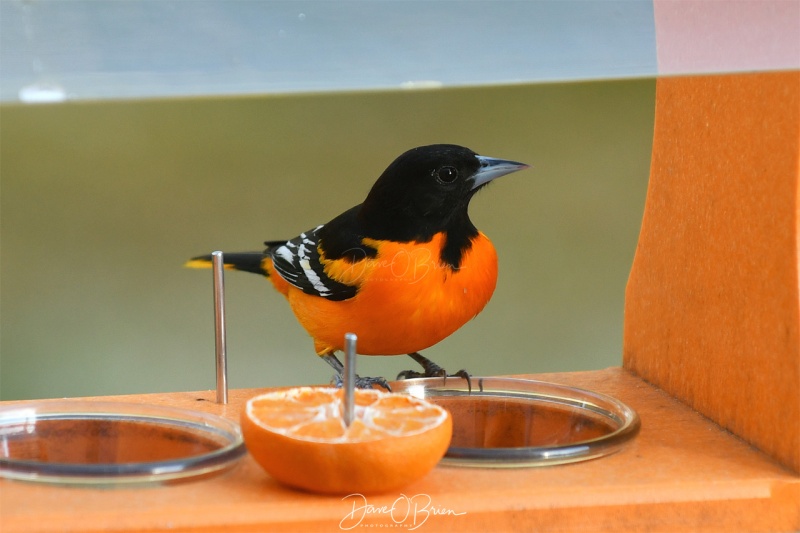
x: 407, y: 302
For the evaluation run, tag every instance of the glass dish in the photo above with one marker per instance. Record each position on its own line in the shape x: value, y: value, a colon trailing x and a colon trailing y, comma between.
x: 510, y: 422
x: 109, y: 443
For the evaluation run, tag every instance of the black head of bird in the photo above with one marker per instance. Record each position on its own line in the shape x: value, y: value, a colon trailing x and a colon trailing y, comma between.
x: 427, y: 190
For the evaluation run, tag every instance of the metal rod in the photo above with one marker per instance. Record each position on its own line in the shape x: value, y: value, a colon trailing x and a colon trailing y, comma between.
x: 218, y: 266
x: 349, y: 377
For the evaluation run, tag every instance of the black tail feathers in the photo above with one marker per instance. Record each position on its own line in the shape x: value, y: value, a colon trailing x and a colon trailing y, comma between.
x: 244, y: 261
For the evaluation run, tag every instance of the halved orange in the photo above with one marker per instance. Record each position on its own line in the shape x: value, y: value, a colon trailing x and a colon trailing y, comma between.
x: 299, y: 437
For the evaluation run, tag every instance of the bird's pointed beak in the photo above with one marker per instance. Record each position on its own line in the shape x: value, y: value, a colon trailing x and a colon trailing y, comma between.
x: 492, y: 168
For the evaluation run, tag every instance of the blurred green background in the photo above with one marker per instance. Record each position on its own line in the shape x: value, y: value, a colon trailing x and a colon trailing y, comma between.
x: 102, y: 202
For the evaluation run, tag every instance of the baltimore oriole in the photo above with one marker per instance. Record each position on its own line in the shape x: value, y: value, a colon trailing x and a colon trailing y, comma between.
x: 403, y: 270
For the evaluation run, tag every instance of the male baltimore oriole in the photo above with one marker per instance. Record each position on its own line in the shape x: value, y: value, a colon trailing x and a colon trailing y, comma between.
x: 403, y: 270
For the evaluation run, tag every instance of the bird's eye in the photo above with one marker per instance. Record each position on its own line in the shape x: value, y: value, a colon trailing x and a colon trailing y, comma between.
x: 447, y: 174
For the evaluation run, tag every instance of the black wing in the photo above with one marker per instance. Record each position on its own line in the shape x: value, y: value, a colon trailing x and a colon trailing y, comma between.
x: 298, y: 262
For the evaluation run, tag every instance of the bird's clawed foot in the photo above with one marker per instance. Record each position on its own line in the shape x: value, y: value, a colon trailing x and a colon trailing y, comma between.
x: 361, y: 383
x: 432, y: 370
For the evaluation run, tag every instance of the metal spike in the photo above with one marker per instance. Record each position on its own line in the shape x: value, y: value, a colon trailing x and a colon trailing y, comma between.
x: 218, y: 267
x: 349, y: 377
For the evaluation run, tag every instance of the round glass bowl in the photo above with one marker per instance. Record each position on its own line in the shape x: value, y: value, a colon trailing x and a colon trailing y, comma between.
x: 100, y: 443
x: 509, y: 422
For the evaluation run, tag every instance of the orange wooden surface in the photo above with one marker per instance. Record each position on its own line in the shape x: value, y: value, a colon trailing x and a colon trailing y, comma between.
x: 712, y: 310
x: 682, y: 473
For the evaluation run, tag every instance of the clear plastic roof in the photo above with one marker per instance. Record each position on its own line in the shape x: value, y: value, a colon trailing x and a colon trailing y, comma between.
x: 52, y: 50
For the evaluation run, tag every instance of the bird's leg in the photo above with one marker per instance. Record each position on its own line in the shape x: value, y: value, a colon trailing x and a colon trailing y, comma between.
x: 432, y: 370
x: 361, y: 383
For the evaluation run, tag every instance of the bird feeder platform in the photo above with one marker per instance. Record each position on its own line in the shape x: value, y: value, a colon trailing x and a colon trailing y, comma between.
x: 683, y: 472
